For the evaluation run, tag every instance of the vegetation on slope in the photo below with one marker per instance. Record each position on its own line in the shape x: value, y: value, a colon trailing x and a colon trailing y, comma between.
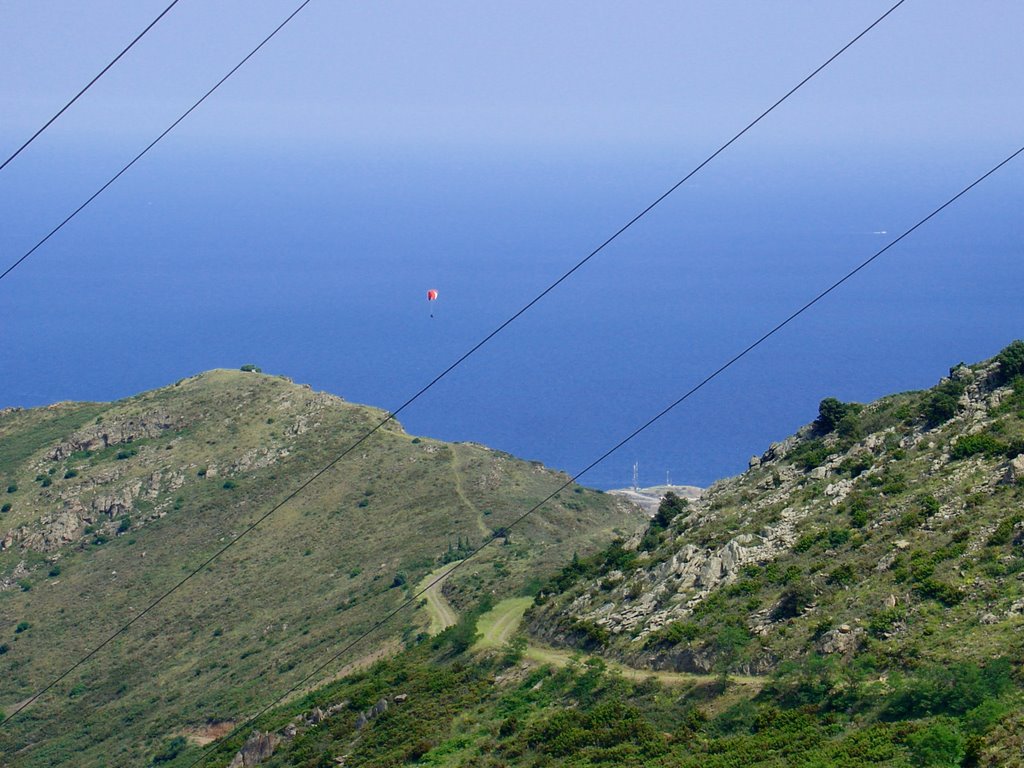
x: 106, y: 506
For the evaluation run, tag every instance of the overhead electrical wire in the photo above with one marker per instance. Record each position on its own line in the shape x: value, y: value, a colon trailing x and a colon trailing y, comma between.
x: 89, y: 85
x: 392, y: 415
x: 650, y: 422
x: 153, y: 143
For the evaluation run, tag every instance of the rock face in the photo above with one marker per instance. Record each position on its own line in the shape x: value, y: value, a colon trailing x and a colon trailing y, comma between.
x: 259, y: 748
x: 117, y: 432
x: 1014, y: 470
x: 375, y: 711
x: 843, y: 640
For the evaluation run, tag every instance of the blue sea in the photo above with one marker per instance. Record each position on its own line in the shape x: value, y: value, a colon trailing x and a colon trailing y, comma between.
x: 315, y: 265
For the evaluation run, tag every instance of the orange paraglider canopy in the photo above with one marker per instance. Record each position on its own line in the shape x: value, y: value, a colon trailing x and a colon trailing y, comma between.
x: 431, y: 294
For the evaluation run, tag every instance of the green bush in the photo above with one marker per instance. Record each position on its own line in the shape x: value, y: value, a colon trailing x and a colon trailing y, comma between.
x: 843, y: 576
x: 885, y: 620
x: 937, y: 744
x: 170, y: 750
x: 5, y: 508
x: 250, y: 368
x: 674, y: 633
x: 22, y: 626
x: 1011, y: 362
x: 70, y: 473
x: 1004, y: 530
x: 951, y: 690
x: 12, y: 488
x: 971, y: 445
x: 809, y: 454
x: 670, y: 507
x: 939, y: 408
x: 832, y: 412
x: 229, y: 485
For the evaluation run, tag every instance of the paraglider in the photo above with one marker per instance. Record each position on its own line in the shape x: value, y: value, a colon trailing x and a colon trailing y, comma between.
x: 431, y: 297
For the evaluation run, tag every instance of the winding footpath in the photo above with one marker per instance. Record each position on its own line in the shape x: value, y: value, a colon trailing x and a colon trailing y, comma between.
x: 497, y: 627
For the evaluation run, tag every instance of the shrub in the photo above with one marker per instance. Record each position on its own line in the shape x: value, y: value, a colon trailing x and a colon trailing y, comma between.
x: 670, y: 507
x: 592, y: 635
x: 129, y: 452
x: 170, y: 750
x: 794, y: 601
x: 939, y: 408
x: 22, y: 626
x: 55, y: 570
x: 831, y: 412
x: 837, y: 537
x: 1011, y: 362
x: 229, y: 485
x: 674, y: 633
x: 125, y: 524
x: 971, y: 445
x: 70, y: 473
x: 810, y: 454
x: 843, y: 576
x: 937, y: 744
x: 5, y: 508
x: 1004, y: 530
x: 251, y: 368
x: 855, y: 465
x: 12, y: 488
x: 883, y: 621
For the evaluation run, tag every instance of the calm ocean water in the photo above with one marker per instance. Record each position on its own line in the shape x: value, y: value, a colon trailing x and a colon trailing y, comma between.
x: 317, y: 268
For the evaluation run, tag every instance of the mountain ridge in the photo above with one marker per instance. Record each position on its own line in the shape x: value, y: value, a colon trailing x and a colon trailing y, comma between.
x: 112, y: 504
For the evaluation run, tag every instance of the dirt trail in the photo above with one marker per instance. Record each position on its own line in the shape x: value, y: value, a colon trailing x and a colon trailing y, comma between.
x: 441, y: 613
x: 460, y: 492
x: 497, y: 626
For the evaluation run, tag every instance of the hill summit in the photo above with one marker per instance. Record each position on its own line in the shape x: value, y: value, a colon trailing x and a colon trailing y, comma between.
x: 105, y: 506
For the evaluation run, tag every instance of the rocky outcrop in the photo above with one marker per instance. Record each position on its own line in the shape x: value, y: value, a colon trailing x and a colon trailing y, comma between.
x: 259, y: 748
x: 1014, y: 470
x: 378, y: 709
x: 843, y: 640
x: 117, y: 432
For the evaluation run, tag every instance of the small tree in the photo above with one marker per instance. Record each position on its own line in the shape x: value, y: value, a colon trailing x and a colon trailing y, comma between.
x: 832, y: 413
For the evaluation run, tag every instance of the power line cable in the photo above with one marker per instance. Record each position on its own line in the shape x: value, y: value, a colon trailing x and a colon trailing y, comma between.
x: 391, y: 416
x: 89, y: 85
x: 153, y: 143
x: 664, y: 412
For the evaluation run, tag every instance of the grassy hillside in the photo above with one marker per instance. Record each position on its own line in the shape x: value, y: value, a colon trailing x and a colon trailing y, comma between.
x: 900, y: 521
x: 105, y: 506
x: 854, y: 599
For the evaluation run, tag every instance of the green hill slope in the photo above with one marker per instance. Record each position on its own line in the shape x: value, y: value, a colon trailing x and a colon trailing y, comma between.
x: 892, y: 529
x: 107, y: 505
x: 855, y: 599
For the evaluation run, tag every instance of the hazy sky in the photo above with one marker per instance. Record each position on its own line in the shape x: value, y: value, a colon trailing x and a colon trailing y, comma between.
x: 534, y: 74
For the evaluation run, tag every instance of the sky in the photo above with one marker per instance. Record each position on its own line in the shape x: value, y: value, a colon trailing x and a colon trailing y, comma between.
x: 535, y: 74
x: 496, y: 139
